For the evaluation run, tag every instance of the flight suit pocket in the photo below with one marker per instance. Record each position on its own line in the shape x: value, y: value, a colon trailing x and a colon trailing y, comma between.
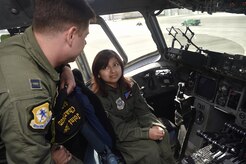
x: 3, y: 98
x: 32, y: 115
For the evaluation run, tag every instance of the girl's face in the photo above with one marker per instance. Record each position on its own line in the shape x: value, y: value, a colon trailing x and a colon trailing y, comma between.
x: 112, y: 73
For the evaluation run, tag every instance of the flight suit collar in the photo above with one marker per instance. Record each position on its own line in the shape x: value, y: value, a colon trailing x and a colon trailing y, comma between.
x: 110, y: 88
x: 37, y: 54
x: 118, y: 90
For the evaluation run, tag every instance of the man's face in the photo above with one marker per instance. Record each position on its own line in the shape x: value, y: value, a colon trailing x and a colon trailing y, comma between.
x: 78, y: 43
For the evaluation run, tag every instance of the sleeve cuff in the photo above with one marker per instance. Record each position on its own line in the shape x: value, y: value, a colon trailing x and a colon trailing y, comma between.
x: 60, y: 68
x: 145, y: 133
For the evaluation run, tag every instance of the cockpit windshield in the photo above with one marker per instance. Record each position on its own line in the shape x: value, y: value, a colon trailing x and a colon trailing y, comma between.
x: 220, y: 32
x: 181, y: 28
x: 130, y: 31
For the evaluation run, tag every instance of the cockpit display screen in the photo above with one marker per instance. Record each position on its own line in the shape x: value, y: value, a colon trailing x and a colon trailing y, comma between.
x: 206, y: 88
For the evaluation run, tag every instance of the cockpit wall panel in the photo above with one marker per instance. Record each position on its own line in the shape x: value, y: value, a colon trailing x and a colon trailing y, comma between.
x: 15, y: 13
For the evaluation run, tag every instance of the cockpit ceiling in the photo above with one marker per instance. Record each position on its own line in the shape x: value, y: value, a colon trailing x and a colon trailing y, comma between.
x: 116, y: 6
x: 15, y: 13
x: 231, y: 6
x: 18, y: 13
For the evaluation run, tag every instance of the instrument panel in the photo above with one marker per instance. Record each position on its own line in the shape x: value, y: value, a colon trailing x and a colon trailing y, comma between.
x: 224, y: 94
x: 155, y: 81
x: 217, y: 79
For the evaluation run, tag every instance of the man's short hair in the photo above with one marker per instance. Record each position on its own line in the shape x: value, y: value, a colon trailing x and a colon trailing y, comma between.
x: 58, y: 14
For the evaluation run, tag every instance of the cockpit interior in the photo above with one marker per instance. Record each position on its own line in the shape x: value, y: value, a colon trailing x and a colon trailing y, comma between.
x: 200, y: 90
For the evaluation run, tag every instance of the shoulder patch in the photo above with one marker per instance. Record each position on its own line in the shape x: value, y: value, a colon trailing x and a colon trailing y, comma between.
x: 128, y: 94
x: 35, y: 83
x: 41, y: 116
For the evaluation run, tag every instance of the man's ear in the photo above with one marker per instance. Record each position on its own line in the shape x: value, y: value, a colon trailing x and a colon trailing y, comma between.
x: 71, y: 34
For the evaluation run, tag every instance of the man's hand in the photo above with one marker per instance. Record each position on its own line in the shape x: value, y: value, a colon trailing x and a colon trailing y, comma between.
x: 60, y: 155
x: 156, y: 133
x: 67, y: 79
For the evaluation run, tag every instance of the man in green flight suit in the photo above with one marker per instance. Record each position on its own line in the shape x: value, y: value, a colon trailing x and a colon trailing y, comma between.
x: 28, y: 78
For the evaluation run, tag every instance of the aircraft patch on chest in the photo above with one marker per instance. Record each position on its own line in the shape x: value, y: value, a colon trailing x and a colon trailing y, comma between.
x: 120, y: 103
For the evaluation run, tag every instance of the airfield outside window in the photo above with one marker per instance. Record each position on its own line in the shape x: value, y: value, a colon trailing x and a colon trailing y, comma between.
x: 130, y: 31
x: 215, y: 32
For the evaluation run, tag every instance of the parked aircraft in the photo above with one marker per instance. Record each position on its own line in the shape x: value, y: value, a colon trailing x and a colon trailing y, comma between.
x: 194, y: 76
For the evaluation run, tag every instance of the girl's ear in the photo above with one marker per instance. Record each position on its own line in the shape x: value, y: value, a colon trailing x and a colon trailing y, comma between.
x: 70, y: 35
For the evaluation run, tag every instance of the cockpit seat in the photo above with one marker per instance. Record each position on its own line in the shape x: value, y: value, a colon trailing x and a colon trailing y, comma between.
x: 95, y: 134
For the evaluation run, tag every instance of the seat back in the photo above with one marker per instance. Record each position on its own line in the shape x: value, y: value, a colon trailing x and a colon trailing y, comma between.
x: 96, y: 105
x: 97, y: 119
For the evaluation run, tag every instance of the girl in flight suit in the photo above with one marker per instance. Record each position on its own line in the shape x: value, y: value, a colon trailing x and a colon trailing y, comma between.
x: 140, y: 136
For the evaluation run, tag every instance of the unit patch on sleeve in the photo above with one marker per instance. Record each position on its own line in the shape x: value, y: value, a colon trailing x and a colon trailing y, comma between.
x: 41, y: 116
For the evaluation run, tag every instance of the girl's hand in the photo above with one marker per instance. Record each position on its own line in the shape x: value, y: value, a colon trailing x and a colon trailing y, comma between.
x: 156, y: 133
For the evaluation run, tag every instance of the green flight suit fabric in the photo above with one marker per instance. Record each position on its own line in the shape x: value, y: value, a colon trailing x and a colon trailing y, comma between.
x: 27, y: 92
x: 131, y: 118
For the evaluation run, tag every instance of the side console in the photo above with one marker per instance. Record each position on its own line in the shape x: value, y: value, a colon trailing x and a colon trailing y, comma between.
x: 226, y: 147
